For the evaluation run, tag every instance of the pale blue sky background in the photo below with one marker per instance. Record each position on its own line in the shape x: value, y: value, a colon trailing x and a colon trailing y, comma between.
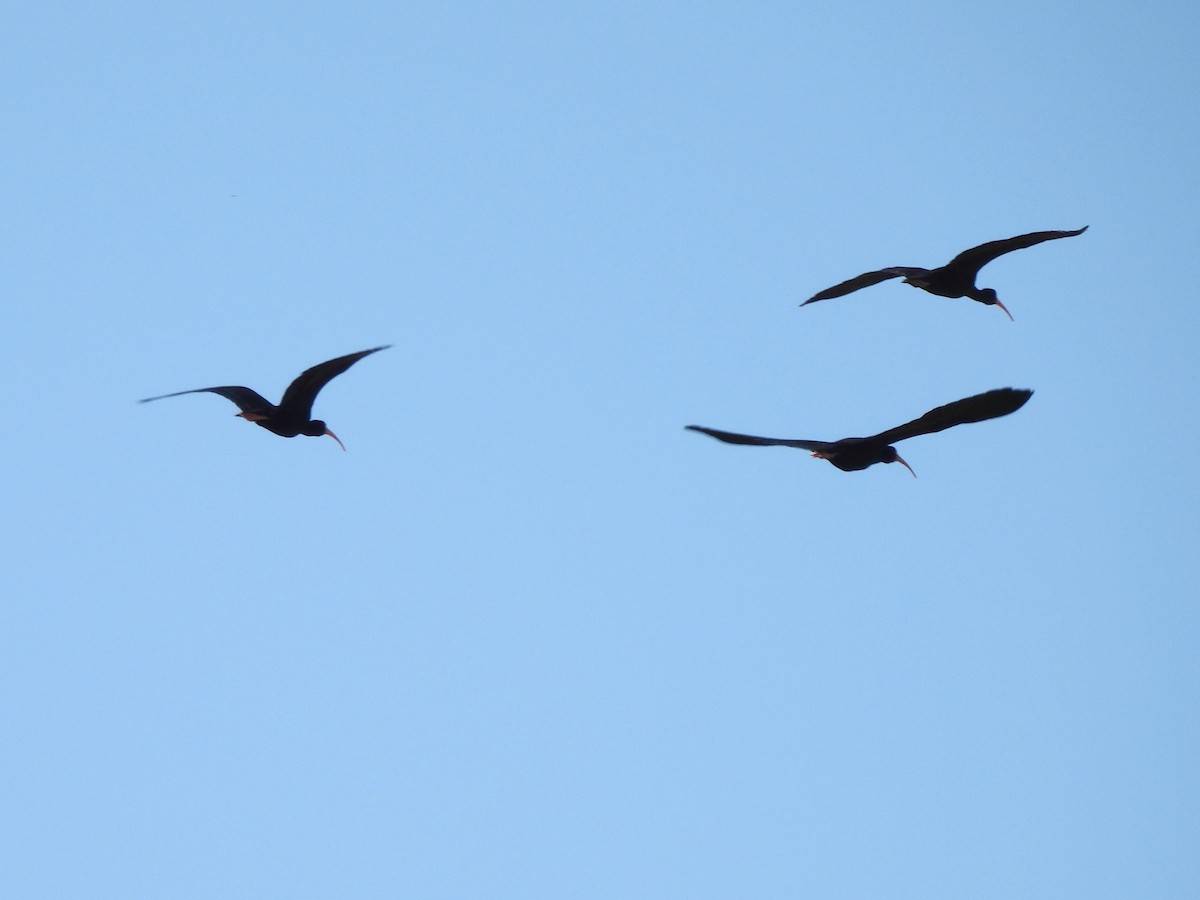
x: 528, y: 637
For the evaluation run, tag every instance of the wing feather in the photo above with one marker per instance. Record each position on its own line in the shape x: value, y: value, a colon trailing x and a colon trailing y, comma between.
x: 300, y: 394
x: 989, y: 405
x: 246, y: 399
x: 730, y: 437
x: 866, y: 279
x: 978, y: 257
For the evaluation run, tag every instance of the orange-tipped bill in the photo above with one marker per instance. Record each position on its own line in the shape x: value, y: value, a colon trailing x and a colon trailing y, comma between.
x: 336, y: 438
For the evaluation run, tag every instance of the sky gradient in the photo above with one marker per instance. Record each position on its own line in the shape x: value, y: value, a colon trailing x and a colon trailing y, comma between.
x: 528, y: 637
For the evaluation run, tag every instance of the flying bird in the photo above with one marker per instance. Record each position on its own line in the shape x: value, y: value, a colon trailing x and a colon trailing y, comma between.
x: 956, y: 278
x: 293, y: 415
x: 853, y: 454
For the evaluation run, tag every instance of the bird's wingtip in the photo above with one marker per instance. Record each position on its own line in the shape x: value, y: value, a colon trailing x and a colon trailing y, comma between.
x: 1024, y: 394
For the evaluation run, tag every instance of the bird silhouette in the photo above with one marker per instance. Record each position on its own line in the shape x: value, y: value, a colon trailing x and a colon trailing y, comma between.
x: 956, y: 278
x: 293, y: 414
x: 853, y: 454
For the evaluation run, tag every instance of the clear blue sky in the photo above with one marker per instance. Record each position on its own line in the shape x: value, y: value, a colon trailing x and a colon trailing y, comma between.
x: 528, y: 637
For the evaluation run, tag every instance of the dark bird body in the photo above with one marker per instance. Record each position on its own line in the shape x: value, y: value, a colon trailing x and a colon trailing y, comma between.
x: 956, y: 278
x: 293, y: 415
x: 853, y: 454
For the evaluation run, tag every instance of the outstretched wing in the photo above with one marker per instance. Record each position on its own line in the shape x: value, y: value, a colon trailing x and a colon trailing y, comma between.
x: 246, y: 399
x: 298, y: 398
x: 979, y: 408
x: 866, y: 279
x: 978, y: 257
x: 730, y: 437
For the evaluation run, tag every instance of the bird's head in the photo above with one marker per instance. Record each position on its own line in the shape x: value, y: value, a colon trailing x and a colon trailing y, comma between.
x: 988, y: 296
x: 890, y: 455
x: 317, y: 428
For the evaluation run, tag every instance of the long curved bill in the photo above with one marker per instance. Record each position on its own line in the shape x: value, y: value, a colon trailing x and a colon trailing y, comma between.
x: 900, y: 460
x: 1006, y: 312
x: 336, y: 438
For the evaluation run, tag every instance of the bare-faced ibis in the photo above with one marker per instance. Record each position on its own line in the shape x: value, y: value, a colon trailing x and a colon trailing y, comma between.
x: 852, y: 454
x: 956, y: 278
x: 293, y: 415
